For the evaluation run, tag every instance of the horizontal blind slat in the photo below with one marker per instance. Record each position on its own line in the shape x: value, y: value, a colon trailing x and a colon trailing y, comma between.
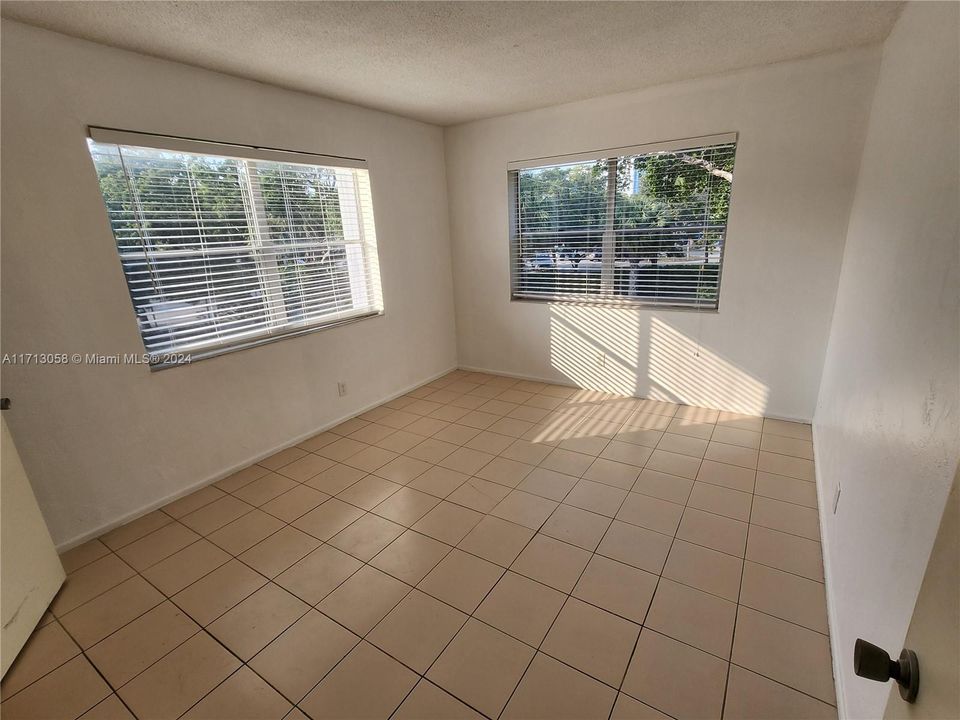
x: 665, y: 229
x: 219, y: 249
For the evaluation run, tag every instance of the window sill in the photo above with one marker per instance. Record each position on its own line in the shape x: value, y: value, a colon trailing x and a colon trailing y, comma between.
x: 208, y: 353
x: 616, y: 303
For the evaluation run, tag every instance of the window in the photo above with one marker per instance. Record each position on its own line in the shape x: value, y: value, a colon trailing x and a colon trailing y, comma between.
x: 642, y: 225
x: 225, y: 246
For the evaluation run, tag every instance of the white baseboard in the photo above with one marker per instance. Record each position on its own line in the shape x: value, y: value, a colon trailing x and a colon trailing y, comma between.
x: 565, y: 383
x: 533, y: 378
x: 117, y: 522
x: 825, y: 505
x: 133, y: 515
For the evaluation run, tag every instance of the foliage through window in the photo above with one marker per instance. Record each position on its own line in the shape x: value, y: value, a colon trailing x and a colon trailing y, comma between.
x: 222, y: 251
x: 642, y: 225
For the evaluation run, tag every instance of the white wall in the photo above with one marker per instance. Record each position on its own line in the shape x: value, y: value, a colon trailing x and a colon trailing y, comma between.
x: 100, y: 443
x: 888, y: 419
x: 801, y: 128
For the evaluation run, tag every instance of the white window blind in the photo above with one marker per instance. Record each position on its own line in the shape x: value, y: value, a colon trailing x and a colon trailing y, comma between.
x: 224, y: 246
x: 643, y: 225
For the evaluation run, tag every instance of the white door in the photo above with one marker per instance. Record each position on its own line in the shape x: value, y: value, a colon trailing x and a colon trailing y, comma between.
x: 934, y: 632
x: 30, y: 570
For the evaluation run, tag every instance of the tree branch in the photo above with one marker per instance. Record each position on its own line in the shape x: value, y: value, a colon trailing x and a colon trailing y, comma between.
x: 706, y: 165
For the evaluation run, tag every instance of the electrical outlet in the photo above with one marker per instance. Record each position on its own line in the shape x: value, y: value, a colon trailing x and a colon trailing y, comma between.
x: 836, y: 498
x: 341, y: 389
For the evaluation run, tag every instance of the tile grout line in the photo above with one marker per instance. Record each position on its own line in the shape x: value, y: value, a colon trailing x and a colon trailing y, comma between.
x: 364, y: 637
x: 537, y: 650
x: 513, y: 440
x: 742, y: 560
x: 653, y: 596
x: 271, y: 580
x: 736, y: 618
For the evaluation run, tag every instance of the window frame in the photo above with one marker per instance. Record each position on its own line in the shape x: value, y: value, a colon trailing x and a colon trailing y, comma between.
x: 261, y: 246
x: 513, y: 214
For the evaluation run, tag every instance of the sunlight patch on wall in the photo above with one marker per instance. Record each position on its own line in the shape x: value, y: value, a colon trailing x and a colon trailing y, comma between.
x: 595, y: 347
x: 681, y: 370
x: 608, y: 350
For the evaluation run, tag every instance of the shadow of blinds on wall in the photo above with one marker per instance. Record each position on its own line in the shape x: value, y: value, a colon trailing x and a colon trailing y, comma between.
x: 638, y: 225
x: 223, y: 246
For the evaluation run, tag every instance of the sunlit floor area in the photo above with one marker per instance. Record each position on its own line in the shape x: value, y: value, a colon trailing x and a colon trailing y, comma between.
x: 483, y: 546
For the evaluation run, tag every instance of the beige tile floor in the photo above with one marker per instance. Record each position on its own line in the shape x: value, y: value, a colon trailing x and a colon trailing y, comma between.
x: 482, y: 546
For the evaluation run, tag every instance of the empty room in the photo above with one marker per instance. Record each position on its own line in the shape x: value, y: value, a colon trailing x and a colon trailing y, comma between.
x: 440, y: 360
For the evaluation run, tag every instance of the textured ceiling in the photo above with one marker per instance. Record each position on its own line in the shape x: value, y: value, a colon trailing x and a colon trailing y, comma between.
x: 450, y: 62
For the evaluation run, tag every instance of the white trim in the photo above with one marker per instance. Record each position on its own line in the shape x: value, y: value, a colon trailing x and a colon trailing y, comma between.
x: 825, y: 505
x: 790, y: 418
x: 166, y: 500
x: 97, y: 532
x: 590, y: 155
x: 208, y: 352
x: 532, y: 378
x: 209, y: 147
x: 566, y: 383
